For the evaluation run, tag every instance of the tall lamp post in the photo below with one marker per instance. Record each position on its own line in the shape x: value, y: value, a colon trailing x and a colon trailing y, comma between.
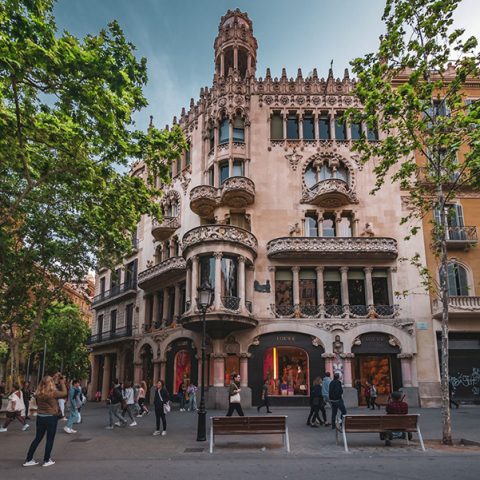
x: 204, y: 301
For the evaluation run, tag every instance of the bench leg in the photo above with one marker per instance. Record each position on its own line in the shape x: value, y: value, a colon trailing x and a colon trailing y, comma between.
x: 211, y: 439
x: 344, y: 437
x: 287, y: 440
x: 420, y: 438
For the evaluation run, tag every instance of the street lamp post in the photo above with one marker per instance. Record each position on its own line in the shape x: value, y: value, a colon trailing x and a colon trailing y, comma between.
x: 204, y: 300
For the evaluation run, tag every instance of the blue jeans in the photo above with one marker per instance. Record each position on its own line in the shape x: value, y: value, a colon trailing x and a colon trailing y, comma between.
x: 72, y: 417
x: 192, y: 402
x: 114, y: 411
x: 337, y: 405
x: 48, y: 425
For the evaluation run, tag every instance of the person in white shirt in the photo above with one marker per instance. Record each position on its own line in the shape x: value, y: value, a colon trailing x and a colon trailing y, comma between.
x: 129, y: 398
x: 15, y: 409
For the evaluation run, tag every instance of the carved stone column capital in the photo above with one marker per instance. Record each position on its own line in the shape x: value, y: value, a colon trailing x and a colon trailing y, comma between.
x: 218, y: 255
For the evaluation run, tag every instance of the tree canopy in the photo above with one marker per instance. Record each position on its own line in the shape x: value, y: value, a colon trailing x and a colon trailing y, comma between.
x: 67, y: 138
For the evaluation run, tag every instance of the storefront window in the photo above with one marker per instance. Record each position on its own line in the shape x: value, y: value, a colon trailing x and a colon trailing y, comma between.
x: 182, y: 369
x: 207, y: 271
x: 377, y: 370
x: 283, y: 287
x: 286, y: 369
x: 232, y: 365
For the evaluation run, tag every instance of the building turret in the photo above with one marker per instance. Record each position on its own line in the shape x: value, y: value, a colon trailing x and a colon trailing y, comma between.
x: 235, y: 46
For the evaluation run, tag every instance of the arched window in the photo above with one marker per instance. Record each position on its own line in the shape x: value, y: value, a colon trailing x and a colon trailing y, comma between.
x: 182, y: 369
x: 318, y: 171
x: 457, y: 280
x: 238, y: 129
x: 224, y: 131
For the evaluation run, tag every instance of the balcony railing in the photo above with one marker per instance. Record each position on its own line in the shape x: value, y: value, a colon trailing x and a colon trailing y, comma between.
x: 151, y: 276
x: 332, y: 192
x: 322, y: 247
x: 335, y: 311
x: 231, y: 303
x: 458, y: 307
x: 162, y: 230
x: 115, y: 291
x: 111, y: 335
x: 461, y: 236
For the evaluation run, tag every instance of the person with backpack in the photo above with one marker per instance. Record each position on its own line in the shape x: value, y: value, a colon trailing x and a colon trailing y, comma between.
x: 74, y: 402
x: 114, y: 403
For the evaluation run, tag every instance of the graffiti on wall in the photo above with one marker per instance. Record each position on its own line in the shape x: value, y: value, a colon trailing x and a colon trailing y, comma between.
x: 470, y: 382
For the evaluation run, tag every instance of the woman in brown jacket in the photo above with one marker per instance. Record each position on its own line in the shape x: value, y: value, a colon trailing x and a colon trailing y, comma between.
x: 47, y: 418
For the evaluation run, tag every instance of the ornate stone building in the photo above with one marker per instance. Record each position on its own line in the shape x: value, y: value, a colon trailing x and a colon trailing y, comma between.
x: 272, y: 208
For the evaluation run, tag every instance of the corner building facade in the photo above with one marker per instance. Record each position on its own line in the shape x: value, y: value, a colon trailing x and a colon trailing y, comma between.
x: 272, y: 208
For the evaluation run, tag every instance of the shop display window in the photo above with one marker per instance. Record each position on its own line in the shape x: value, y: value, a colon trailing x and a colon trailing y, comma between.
x: 377, y: 370
x: 286, y: 369
x: 182, y: 369
x: 232, y: 365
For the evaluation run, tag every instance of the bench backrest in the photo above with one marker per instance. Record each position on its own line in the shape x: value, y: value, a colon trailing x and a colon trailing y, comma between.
x: 375, y: 423
x: 270, y: 424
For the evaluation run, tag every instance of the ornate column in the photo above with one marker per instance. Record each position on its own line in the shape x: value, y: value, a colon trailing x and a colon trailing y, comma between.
x: 218, y: 369
x: 218, y: 280
x: 166, y: 301
x: 215, y: 150
x: 176, y: 308
x: 194, y: 279
x: 92, y: 388
x: 344, y: 273
x: 300, y: 126
x: 406, y: 365
x: 320, y: 292
x: 331, y: 116
x: 188, y: 286
x: 137, y: 372
x: 244, y: 369
x: 241, y: 282
x: 320, y: 224
x: 392, y: 284
x: 155, y: 309
x: 316, y: 126
x: 296, y: 285
x: 368, y: 285
x: 171, y: 246
x: 329, y: 362
x: 284, y: 118
x: 235, y: 58
x: 147, y: 320
x: 156, y: 371
x: 163, y: 365
x: 271, y: 269
x: 347, y: 369
x: 107, y: 368
x: 222, y: 64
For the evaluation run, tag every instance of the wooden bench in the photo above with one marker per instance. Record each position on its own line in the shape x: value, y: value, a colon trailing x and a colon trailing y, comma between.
x: 249, y: 426
x: 383, y: 424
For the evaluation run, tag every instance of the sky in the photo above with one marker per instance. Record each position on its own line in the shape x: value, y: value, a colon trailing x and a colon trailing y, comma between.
x: 176, y: 37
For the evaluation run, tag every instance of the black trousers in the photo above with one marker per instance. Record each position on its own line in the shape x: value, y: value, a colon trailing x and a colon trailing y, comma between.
x: 314, y: 414
x: 235, y: 407
x: 265, y: 403
x: 46, y: 425
x: 160, y: 414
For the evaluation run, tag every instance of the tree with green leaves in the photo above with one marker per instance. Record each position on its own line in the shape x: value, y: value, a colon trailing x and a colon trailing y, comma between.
x: 413, y: 91
x: 64, y: 332
x: 67, y: 134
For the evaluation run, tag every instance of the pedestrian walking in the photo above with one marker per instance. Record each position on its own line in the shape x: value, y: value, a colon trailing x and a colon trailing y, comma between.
x: 74, y: 403
x: 27, y: 396
x: 366, y: 394
x: 61, y: 400
x: 234, y: 396
x: 142, y: 392
x: 181, y: 394
x: 335, y: 393
x: 373, y: 396
x: 46, y: 396
x: 15, y: 409
x: 451, y: 393
x: 265, y: 398
x: 317, y: 404
x: 114, y: 403
x: 160, y: 401
x: 192, y: 397
x: 98, y: 396
x: 129, y: 399
x: 325, y: 386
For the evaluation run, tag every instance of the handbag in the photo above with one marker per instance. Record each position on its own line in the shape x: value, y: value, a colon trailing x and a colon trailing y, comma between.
x: 166, y: 407
x: 235, y: 398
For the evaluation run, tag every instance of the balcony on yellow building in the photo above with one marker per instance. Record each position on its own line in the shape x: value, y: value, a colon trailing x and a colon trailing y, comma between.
x: 459, y: 308
x: 461, y: 238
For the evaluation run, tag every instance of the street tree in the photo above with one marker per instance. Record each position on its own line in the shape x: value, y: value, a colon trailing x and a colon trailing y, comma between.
x: 62, y: 335
x: 413, y: 91
x: 67, y: 139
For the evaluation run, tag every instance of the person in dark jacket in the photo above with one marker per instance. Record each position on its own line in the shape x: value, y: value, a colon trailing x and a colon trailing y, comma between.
x: 317, y: 404
x: 265, y: 397
x: 114, y: 403
x: 27, y: 396
x: 234, y: 396
x: 160, y: 399
x: 335, y: 392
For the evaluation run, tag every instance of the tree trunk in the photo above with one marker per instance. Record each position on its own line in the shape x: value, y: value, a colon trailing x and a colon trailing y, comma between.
x: 444, y: 294
x: 15, y: 361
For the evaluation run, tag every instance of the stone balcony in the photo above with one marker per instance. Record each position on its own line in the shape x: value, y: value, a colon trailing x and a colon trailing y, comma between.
x: 329, y: 193
x: 459, y: 308
x: 331, y: 247
x: 161, y: 230
x: 206, y: 235
x: 461, y: 238
x: 151, y: 277
x: 235, y: 192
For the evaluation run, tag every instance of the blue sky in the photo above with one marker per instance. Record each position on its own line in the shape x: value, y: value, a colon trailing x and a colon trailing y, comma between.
x: 176, y: 37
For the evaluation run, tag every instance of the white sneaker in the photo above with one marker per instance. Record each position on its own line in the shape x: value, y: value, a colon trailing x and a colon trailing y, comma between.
x: 156, y: 432
x: 25, y: 427
x: 67, y: 430
x: 48, y: 464
x: 118, y: 424
x: 73, y: 431
x: 164, y: 433
x: 139, y: 415
x: 30, y: 463
x: 3, y: 429
x: 133, y: 423
x: 109, y: 428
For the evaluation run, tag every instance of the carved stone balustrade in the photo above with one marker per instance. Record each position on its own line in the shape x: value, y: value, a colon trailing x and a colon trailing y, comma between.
x: 330, y: 247
x: 162, y: 230
x: 150, y: 278
x: 207, y: 234
x: 332, y: 192
x: 459, y: 308
x: 237, y: 192
x: 203, y: 200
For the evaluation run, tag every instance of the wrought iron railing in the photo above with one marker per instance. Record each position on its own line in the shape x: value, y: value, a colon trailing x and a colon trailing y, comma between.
x: 114, y: 291
x: 283, y: 310
x: 231, y: 303
x: 462, y: 234
x: 111, y: 335
x: 335, y: 311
